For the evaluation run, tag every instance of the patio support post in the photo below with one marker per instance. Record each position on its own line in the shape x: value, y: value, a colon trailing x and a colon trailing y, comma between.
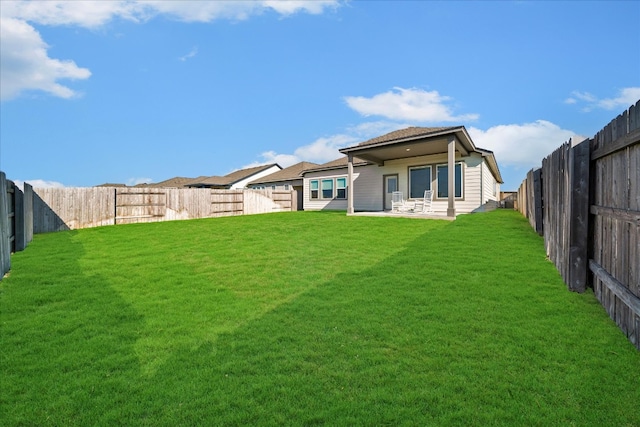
x: 349, y: 184
x: 451, y: 157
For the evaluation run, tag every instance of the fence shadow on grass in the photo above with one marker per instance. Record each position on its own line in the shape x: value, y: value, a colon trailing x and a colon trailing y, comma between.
x: 435, y: 334
x: 68, y: 345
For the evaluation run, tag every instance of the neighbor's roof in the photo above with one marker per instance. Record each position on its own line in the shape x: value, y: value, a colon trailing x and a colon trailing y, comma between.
x: 175, y: 182
x: 287, y: 174
x: 336, y: 164
x: 107, y: 184
x: 231, y: 178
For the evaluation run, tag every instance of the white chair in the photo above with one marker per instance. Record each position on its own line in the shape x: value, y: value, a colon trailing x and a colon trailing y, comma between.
x: 426, y: 204
x: 428, y: 201
x: 397, y: 201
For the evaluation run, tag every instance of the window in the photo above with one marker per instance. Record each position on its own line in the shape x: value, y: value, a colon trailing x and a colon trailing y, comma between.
x: 273, y: 187
x: 419, y: 181
x: 327, y: 188
x: 341, y: 188
x: 313, y: 189
x: 443, y: 180
x: 286, y: 186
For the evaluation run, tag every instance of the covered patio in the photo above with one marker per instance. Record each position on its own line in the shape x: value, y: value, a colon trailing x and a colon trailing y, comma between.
x: 408, y: 143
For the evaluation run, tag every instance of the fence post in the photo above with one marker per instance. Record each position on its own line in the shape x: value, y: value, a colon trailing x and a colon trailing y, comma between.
x: 20, y: 239
x: 579, y: 223
x: 537, y: 199
x: 5, y: 244
x: 28, y: 213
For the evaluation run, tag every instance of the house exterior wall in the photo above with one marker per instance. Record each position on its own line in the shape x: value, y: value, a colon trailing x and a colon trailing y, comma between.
x: 324, y: 204
x: 491, y: 188
x: 243, y: 182
x: 368, y: 183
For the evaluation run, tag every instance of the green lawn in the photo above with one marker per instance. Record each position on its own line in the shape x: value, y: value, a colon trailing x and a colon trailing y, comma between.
x: 307, y: 318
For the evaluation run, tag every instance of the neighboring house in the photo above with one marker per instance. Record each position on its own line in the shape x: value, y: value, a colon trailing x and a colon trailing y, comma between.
x: 462, y: 176
x: 286, y: 179
x: 234, y: 180
x: 176, y: 182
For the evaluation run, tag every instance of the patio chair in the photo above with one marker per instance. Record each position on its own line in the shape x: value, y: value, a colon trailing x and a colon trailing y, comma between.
x: 426, y: 204
x: 397, y: 201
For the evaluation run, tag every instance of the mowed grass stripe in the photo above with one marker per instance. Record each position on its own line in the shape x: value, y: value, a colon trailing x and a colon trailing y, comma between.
x: 307, y: 318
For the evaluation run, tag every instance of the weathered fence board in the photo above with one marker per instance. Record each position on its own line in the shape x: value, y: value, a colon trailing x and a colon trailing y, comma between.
x: 591, y: 205
x: 615, y: 210
x: 72, y: 208
x: 140, y: 205
x: 5, y: 245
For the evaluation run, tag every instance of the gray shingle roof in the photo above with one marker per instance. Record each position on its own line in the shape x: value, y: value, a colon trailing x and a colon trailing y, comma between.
x: 337, y: 164
x: 230, y: 178
x: 409, y: 132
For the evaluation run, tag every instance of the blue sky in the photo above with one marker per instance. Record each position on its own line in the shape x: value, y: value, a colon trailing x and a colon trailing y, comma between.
x: 129, y: 92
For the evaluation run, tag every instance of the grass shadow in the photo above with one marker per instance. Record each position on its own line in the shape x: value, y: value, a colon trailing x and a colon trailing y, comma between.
x: 365, y: 321
x: 68, y: 340
x: 434, y: 334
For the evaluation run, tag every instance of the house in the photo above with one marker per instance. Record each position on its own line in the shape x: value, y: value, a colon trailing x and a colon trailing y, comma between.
x: 462, y: 176
x: 286, y: 179
x: 234, y: 180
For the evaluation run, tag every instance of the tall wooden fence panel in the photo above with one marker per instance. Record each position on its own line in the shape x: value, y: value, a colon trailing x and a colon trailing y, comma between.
x: 5, y: 232
x: 58, y: 209
x: 615, y: 210
x: 16, y: 220
x: 591, y: 216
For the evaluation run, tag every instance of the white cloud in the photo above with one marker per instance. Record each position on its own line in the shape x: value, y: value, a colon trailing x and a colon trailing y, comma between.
x: 625, y: 98
x: 268, y: 157
x: 87, y: 14
x: 93, y: 14
x: 414, y: 105
x: 523, y: 145
x: 289, y: 7
x: 135, y: 181
x: 24, y: 61
x: 325, y: 149
x: 38, y: 183
x: 25, y: 64
x: 193, y: 52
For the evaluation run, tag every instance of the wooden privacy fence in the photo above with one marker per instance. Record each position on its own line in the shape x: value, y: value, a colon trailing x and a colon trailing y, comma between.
x: 589, y: 202
x: 58, y: 209
x: 43, y: 210
x: 16, y: 220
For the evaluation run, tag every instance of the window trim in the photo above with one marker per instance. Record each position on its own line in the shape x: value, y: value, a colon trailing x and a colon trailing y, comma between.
x: 426, y: 166
x: 317, y: 190
x: 335, y: 189
x: 322, y: 190
x: 338, y: 188
x: 446, y: 165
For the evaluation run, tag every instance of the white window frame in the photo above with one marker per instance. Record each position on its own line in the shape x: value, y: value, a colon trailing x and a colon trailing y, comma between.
x: 317, y: 190
x: 445, y: 165
x: 430, y: 179
x: 322, y: 190
x: 343, y: 188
